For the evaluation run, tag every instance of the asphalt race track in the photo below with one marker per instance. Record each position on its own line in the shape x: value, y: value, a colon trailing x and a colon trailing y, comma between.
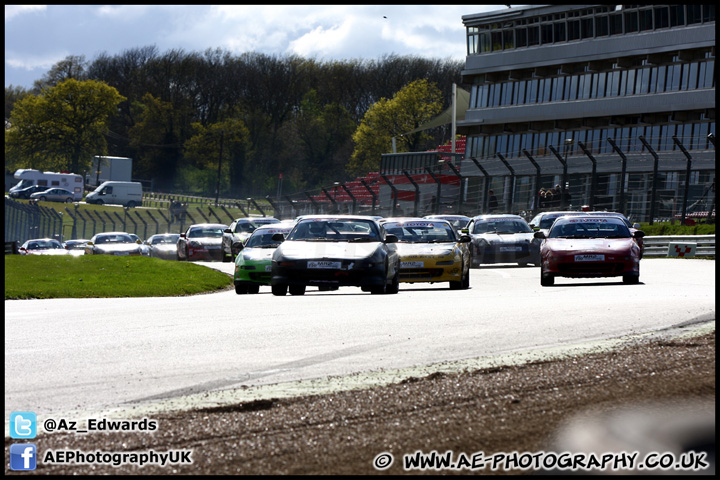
x: 89, y: 355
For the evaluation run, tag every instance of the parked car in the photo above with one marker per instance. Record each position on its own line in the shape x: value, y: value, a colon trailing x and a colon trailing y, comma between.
x: 76, y: 246
x: 502, y: 239
x: 332, y: 251
x: 431, y: 251
x: 253, y: 263
x: 113, y: 243
x: 239, y: 231
x: 589, y: 246
x: 42, y: 246
x: 163, y: 245
x: 27, y: 191
x: 54, y: 195
x: 202, y: 241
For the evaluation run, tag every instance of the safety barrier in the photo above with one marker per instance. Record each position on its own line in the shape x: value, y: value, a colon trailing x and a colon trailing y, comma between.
x: 658, y: 246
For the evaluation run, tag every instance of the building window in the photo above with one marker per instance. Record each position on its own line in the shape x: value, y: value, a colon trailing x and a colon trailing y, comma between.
x: 631, y: 22
x: 645, y: 19
x: 677, y: 15
x: 573, y: 29
x: 694, y: 14
x: 662, y: 17
x: 616, y: 24
x: 601, y: 26
x: 559, y: 32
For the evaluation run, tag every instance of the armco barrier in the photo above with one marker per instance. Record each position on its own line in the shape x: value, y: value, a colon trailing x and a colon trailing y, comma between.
x: 657, y: 246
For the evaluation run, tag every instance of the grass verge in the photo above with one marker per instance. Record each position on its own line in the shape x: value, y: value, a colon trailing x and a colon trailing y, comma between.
x: 104, y: 276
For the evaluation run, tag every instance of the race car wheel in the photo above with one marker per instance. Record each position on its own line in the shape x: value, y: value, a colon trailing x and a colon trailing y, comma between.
x: 394, y: 287
x: 546, y: 280
x: 279, y: 290
x: 241, y: 289
x: 253, y: 289
x: 225, y: 257
x: 631, y: 279
x: 297, y: 289
x: 466, y: 281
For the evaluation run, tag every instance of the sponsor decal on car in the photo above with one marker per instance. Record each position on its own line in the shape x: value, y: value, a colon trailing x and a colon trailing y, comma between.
x: 324, y: 264
x: 589, y: 258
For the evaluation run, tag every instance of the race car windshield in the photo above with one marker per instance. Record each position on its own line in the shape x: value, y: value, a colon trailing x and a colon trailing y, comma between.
x: 421, y: 232
x: 589, y: 229
x: 205, y: 232
x: 262, y: 240
x: 511, y: 226
x: 335, y: 230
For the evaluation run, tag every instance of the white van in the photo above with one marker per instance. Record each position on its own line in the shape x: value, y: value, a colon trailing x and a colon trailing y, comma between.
x: 128, y: 194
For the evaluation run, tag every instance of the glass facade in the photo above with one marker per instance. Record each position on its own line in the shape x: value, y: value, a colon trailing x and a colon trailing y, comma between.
x: 583, y: 24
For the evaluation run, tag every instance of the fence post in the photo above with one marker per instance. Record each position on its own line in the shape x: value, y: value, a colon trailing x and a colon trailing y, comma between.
x: 486, y: 185
x: 393, y: 195
x: 262, y: 212
x: 374, y: 197
x: 334, y: 203
x: 687, y: 176
x: 655, y: 177
x: 417, y: 192
x: 354, y: 202
x: 315, y: 205
x: 536, y: 196
x: 460, y: 190
x: 622, y: 173
x: 593, y: 175
x: 439, y: 188
x: 512, y: 180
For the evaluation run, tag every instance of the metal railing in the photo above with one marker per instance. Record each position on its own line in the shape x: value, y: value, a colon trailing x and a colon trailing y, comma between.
x: 658, y: 245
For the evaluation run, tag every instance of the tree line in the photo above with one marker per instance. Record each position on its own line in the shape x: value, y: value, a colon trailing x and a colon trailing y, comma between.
x: 189, y: 118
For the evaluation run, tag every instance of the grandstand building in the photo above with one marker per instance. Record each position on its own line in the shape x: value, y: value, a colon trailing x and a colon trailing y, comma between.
x: 615, y: 101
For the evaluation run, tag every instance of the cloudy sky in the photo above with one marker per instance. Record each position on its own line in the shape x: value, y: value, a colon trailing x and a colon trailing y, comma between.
x: 38, y: 36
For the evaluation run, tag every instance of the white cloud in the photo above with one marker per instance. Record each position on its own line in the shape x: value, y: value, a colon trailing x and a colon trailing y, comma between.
x: 15, y: 10
x: 33, y: 62
x: 34, y: 43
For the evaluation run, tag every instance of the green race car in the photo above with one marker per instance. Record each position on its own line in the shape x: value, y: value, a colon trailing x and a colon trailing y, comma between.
x: 254, y: 260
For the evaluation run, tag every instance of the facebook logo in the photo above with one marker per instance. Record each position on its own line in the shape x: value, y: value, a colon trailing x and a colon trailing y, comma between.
x: 23, y: 425
x: 23, y: 456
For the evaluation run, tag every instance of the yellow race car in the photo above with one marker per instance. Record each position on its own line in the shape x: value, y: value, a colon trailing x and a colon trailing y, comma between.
x: 431, y: 251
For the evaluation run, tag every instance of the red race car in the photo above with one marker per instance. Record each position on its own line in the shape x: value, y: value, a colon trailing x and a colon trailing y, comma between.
x: 589, y: 247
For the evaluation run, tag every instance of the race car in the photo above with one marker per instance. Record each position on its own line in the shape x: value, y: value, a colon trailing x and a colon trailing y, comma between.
x: 502, y: 239
x: 431, y: 251
x: 202, y: 241
x: 331, y: 251
x: 253, y: 263
x: 239, y: 231
x: 589, y: 246
x: 544, y: 220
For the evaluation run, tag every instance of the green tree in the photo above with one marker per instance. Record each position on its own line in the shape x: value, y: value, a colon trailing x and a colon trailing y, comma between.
x: 157, y: 140
x: 223, y: 144
x: 62, y: 128
x: 412, y: 106
x: 321, y: 135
